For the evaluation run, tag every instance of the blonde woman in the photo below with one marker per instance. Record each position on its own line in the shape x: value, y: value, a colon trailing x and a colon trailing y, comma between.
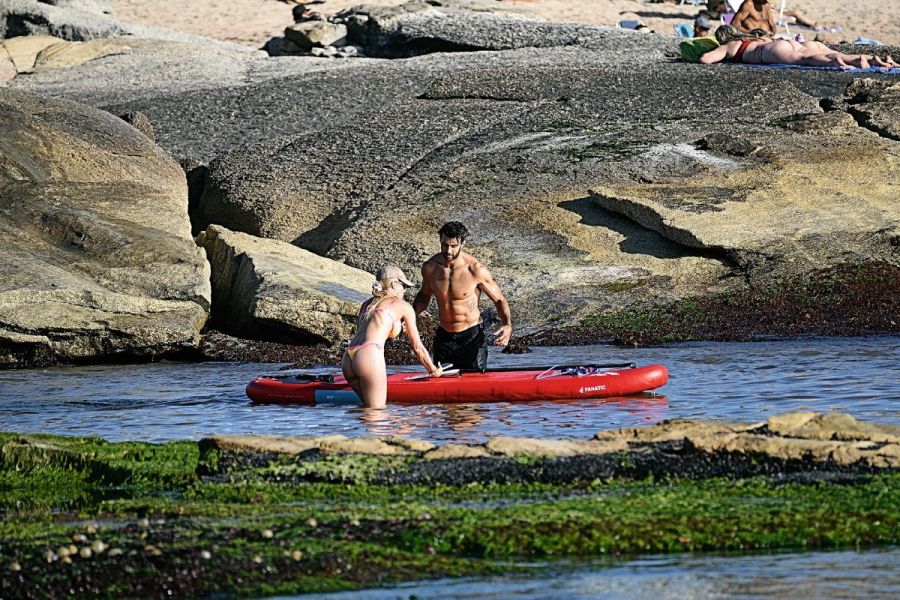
x: 381, y: 317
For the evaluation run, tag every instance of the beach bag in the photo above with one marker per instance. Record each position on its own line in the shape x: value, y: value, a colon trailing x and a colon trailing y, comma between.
x: 694, y: 48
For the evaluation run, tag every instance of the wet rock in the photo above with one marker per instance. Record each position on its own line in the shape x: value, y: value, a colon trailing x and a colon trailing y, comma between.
x: 280, y: 444
x: 418, y: 446
x: 505, y: 446
x: 363, y: 445
x: 796, y: 438
x: 832, y: 426
x: 452, y: 451
x: 266, y: 287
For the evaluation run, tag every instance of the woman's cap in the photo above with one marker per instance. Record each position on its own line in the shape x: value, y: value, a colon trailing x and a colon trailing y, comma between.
x: 392, y: 272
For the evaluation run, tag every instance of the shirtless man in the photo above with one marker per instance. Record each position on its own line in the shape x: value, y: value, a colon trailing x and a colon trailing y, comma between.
x: 755, y: 14
x: 456, y: 279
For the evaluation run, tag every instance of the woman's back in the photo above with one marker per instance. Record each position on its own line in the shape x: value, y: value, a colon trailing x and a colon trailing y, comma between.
x: 379, y: 323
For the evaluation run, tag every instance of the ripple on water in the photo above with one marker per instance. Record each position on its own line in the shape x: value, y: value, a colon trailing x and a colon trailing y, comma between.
x: 733, y: 381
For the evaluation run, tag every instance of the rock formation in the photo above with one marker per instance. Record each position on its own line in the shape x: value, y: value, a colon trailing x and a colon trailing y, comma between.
x: 595, y: 170
x: 806, y: 438
x: 98, y: 260
x: 266, y: 288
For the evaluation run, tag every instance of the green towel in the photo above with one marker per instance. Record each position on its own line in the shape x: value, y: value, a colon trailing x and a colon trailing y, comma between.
x: 694, y: 48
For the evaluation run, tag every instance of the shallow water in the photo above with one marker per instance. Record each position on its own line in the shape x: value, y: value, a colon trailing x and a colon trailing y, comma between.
x: 736, y: 381
x: 813, y: 575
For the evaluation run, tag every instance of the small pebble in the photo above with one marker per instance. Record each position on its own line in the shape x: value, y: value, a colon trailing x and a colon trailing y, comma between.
x: 14, y: 566
x: 63, y: 551
x: 79, y: 537
x: 50, y: 556
x: 268, y: 534
x: 205, y: 554
x: 152, y: 550
x: 355, y: 522
x: 115, y: 552
x: 257, y: 559
x: 73, y: 549
x: 91, y: 528
x: 98, y: 547
x: 66, y: 560
x: 143, y: 523
x: 312, y: 522
x: 425, y: 517
x: 296, y: 555
x: 85, y: 552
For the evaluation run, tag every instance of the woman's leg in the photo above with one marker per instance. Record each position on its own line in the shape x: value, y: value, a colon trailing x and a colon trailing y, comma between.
x: 350, y: 375
x: 371, y: 372
x: 888, y: 61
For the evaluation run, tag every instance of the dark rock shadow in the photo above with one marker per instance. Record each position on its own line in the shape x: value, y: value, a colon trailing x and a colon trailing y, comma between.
x: 638, y: 239
x: 321, y: 238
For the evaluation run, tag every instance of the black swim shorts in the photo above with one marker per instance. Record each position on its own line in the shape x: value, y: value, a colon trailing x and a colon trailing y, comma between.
x: 466, y: 350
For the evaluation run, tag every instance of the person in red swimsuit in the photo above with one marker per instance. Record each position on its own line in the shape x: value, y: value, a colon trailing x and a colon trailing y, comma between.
x: 381, y: 317
x: 765, y: 51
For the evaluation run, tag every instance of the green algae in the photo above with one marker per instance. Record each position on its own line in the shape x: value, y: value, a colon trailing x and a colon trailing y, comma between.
x: 199, y: 523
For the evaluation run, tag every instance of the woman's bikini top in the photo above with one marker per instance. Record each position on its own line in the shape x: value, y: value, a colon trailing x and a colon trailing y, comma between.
x: 395, y: 329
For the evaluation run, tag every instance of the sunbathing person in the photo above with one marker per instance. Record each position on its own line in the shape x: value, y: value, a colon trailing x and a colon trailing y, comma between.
x: 764, y: 51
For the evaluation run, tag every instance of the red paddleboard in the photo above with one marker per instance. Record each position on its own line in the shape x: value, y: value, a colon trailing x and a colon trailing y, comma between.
x: 500, y: 385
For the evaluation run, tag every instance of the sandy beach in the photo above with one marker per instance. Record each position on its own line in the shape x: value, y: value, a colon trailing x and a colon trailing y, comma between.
x: 253, y: 22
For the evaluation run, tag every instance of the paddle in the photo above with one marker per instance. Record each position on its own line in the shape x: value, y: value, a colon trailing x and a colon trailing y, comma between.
x: 328, y: 377
x: 628, y: 365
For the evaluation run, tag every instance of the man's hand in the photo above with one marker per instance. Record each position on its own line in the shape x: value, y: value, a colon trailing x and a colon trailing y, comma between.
x: 503, y: 334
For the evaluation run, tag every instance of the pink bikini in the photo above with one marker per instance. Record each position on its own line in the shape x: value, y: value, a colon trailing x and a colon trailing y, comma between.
x: 395, y: 331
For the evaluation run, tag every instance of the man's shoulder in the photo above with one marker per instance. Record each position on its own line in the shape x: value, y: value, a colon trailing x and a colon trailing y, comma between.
x: 432, y: 263
x: 475, y: 266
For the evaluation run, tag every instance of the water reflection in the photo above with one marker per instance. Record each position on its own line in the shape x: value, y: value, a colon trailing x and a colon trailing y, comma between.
x: 419, y: 420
